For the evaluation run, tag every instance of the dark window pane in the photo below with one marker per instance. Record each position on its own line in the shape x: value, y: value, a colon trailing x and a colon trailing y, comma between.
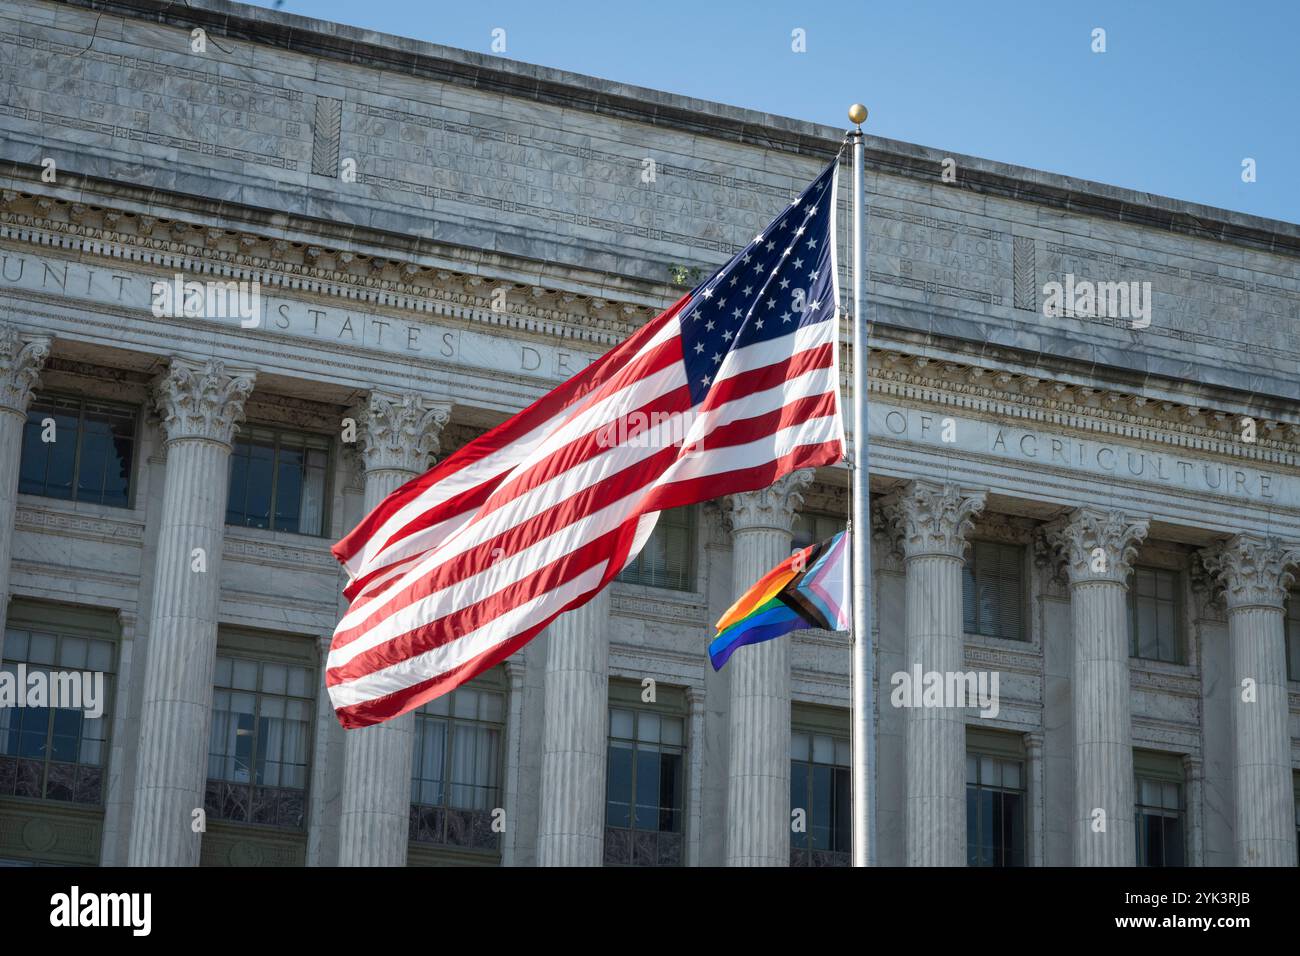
x: 972, y: 826
x: 288, y: 490
x: 60, y: 471
x: 90, y: 457
x: 842, y: 838
x: 1173, y: 841
x: 647, y: 790
x: 36, y: 453
x: 670, y: 792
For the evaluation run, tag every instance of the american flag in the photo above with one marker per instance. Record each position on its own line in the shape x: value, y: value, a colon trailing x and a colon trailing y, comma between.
x: 731, y: 388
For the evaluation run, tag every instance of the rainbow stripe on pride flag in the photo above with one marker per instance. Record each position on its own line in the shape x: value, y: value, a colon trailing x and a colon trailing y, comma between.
x: 808, y: 589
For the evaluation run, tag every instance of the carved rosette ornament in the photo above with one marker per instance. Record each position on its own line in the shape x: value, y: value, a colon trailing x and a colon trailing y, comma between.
x: 400, y: 432
x: 1097, y: 545
x: 202, y: 400
x: 1254, y: 570
x: 772, y: 508
x: 21, y: 361
x: 931, y: 518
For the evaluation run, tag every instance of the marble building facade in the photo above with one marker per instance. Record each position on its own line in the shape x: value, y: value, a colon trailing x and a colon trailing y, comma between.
x: 1106, y: 517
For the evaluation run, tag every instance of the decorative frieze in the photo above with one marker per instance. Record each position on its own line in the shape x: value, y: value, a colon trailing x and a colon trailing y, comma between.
x: 269, y: 553
x: 75, y: 525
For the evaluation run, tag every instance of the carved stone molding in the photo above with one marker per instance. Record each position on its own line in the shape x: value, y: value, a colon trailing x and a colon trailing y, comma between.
x: 436, y: 289
x: 419, y: 286
x: 53, y: 521
x: 1253, y: 570
x: 1097, y: 545
x: 202, y: 400
x: 1010, y: 529
x: 773, y: 507
x: 400, y: 432
x: 931, y: 518
x: 1206, y: 590
x: 21, y: 360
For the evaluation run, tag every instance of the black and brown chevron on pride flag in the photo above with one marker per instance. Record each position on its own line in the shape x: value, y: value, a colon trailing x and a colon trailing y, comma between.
x: 731, y: 388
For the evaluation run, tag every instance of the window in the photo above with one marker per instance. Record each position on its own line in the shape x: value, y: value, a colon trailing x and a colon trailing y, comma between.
x: 1293, y: 636
x: 1153, y: 614
x: 668, y: 558
x: 89, y: 455
x: 644, y: 780
x: 813, y: 528
x: 993, y: 591
x: 995, y: 809
x: 821, y: 786
x: 1159, y: 811
x: 277, y: 481
x: 58, y: 753
x: 258, y: 750
x: 456, y: 770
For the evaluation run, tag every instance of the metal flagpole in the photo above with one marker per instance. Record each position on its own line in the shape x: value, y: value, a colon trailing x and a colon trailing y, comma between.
x: 863, y: 676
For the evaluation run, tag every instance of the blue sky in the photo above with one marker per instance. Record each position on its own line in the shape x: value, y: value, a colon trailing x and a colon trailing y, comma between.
x: 1185, y: 91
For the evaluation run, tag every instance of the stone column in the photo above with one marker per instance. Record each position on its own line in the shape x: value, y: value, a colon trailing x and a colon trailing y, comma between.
x: 515, y: 674
x: 758, y: 781
x: 21, y: 360
x: 1098, y: 548
x: 1255, y: 572
x: 571, y: 831
x: 200, y: 405
x: 398, y: 435
x: 1037, y: 855
x: 695, y: 780
x: 931, y: 520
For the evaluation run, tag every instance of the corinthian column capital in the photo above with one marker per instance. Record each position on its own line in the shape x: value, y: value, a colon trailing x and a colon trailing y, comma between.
x: 1097, y: 545
x: 202, y: 400
x: 21, y: 360
x: 931, y: 518
x: 1254, y: 570
x: 772, y: 508
x: 400, y: 432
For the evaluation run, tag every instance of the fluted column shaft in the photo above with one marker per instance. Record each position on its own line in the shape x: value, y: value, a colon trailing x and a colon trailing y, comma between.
x: 200, y: 406
x: 21, y: 361
x: 1098, y: 548
x: 1255, y: 572
x: 1103, y: 749
x: 398, y: 434
x: 931, y: 521
x: 758, y: 781
x: 571, y: 831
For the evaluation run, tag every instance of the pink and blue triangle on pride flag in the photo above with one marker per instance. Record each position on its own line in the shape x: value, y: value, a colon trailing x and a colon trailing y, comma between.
x: 809, y: 589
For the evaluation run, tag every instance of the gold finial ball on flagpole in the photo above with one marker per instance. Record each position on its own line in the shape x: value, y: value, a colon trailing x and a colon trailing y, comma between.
x: 857, y: 114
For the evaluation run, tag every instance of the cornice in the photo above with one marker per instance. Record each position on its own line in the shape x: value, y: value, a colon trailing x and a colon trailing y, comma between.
x: 585, y: 94
x: 1033, y: 399
x: 394, y: 281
